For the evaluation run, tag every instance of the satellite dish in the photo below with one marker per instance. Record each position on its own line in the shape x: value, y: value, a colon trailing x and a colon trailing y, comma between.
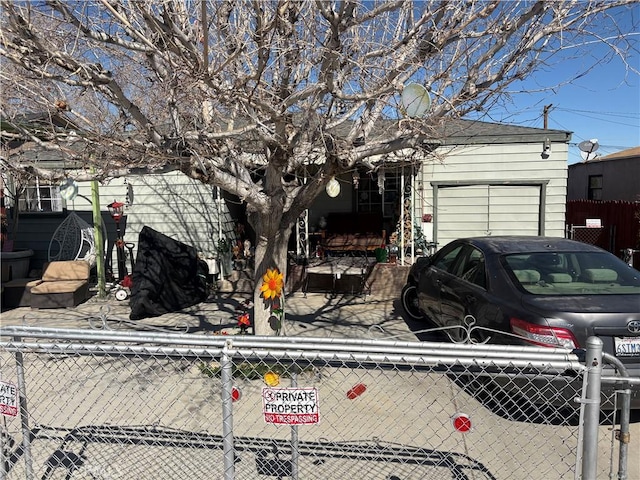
x: 333, y: 188
x: 415, y: 100
x: 587, y: 147
x: 69, y: 189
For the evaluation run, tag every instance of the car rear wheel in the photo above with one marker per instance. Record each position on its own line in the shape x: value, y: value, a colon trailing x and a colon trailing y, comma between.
x: 409, y: 300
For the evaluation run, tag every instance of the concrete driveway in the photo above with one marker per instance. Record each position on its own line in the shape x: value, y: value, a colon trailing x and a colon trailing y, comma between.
x: 375, y: 317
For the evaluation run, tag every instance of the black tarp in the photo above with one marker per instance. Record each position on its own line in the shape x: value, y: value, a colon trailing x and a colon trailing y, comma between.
x: 167, y: 276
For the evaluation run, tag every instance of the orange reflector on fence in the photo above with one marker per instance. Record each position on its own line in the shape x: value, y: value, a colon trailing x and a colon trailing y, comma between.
x: 356, y: 391
x: 461, y: 422
x: 272, y: 379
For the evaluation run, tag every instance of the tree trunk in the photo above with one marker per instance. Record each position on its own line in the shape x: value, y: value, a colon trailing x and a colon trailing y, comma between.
x: 270, y: 253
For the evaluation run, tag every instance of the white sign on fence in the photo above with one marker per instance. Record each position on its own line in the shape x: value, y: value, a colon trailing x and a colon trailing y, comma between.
x: 290, y: 406
x: 593, y: 223
x: 8, y: 399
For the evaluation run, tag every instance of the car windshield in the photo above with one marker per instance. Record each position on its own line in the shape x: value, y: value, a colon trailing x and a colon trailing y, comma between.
x: 572, y: 273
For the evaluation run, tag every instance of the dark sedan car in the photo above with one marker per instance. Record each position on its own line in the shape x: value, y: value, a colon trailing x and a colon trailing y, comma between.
x: 529, y: 290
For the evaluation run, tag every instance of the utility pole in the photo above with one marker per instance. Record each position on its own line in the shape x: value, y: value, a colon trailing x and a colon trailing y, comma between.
x: 545, y: 115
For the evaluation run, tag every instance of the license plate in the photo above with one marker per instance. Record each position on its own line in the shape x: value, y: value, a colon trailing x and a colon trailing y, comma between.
x: 627, y: 346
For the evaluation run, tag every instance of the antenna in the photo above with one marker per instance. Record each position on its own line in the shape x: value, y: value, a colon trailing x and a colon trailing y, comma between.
x: 587, y: 147
x: 415, y: 100
x: 545, y: 114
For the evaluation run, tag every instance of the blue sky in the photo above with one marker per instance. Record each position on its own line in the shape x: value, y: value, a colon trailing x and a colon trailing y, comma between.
x: 603, y: 104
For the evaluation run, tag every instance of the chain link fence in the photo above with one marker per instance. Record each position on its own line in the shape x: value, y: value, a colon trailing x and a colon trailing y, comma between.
x: 123, y: 405
x: 599, y: 236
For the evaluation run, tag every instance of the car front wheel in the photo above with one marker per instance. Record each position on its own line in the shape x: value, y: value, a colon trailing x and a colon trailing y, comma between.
x: 409, y: 299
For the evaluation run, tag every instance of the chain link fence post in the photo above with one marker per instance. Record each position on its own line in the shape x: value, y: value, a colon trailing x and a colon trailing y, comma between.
x: 226, y: 373
x: 624, y: 435
x: 24, y: 413
x: 591, y: 405
x: 295, y: 451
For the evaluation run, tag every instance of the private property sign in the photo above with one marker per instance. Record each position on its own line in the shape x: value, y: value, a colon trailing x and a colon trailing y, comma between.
x: 290, y: 406
x: 8, y: 399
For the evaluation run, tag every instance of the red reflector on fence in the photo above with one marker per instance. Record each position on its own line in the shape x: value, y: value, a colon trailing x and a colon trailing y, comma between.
x: 235, y: 394
x: 356, y: 391
x: 461, y: 422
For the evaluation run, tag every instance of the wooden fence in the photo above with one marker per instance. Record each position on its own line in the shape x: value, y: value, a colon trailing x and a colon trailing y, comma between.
x: 620, y: 219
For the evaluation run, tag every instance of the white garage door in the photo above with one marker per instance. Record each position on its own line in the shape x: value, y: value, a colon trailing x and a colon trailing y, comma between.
x: 478, y: 210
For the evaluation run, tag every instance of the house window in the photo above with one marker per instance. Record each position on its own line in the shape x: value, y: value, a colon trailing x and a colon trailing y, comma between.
x: 40, y: 198
x: 595, y: 187
x: 369, y: 198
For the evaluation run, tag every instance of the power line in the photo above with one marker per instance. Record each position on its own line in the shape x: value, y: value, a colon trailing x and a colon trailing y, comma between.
x: 611, y: 114
x: 599, y: 116
x: 585, y: 113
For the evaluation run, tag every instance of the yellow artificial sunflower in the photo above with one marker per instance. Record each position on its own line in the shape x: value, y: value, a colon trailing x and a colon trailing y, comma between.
x: 272, y: 284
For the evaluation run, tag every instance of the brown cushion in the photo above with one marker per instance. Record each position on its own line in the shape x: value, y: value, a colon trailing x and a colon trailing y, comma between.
x: 66, y: 270
x: 63, y: 286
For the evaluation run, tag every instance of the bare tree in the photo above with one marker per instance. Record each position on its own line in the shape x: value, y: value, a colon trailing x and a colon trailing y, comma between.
x: 243, y: 95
